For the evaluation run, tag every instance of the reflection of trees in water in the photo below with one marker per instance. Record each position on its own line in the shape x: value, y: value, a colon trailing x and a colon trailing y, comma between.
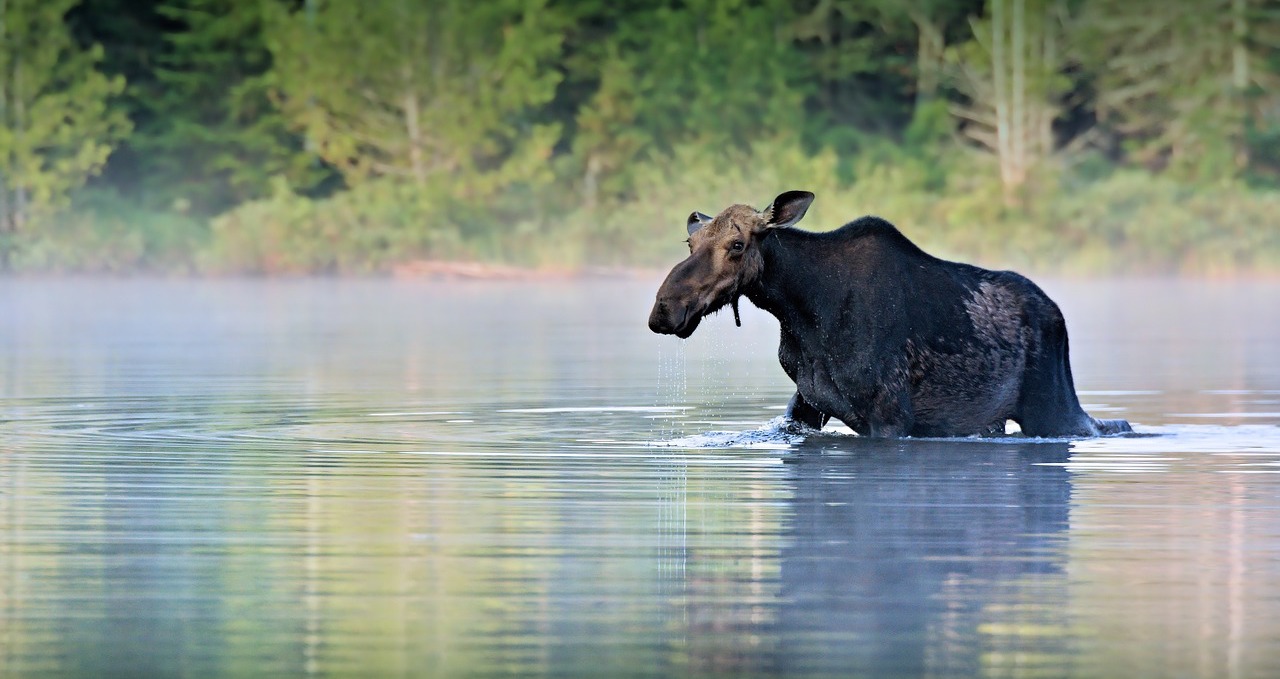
x: 914, y: 558
x: 718, y: 560
x: 1184, y: 549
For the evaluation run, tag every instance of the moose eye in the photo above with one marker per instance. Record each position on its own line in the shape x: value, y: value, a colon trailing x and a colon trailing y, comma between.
x: 737, y: 246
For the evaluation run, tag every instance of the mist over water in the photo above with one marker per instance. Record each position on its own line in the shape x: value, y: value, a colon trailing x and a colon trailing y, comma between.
x: 324, y: 477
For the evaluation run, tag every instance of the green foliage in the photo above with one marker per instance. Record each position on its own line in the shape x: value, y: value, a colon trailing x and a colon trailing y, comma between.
x: 711, y: 73
x: 1119, y: 222
x: 1135, y: 222
x: 363, y: 229
x: 291, y: 136
x: 1172, y: 78
x: 714, y: 71
x: 380, y: 223
x: 445, y: 87
x: 214, y: 138
x: 56, y: 125
x: 103, y: 232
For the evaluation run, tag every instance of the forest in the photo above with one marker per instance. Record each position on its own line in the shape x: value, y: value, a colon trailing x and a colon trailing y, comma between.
x: 356, y: 137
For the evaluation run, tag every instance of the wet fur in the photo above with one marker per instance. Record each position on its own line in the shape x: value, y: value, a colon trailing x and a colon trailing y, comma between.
x: 890, y: 340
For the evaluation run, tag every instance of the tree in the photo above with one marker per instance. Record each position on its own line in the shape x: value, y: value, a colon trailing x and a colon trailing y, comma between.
x: 131, y: 35
x: 718, y: 74
x: 608, y: 137
x: 421, y: 90
x: 859, y: 58
x: 56, y: 123
x: 1262, y: 122
x: 1174, y: 78
x: 1011, y: 76
x: 213, y: 137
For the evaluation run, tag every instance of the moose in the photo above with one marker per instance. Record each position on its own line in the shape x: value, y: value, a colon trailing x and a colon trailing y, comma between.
x: 879, y: 334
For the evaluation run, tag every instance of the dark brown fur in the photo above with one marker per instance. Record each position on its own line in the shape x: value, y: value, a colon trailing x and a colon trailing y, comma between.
x: 879, y: 334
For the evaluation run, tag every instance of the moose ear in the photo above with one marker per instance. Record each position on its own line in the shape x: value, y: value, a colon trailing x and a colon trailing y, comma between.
x: 697, y: 220
x: 787, y: 208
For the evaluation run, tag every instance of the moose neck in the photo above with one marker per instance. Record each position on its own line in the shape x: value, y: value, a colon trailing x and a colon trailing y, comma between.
x: 788, y: 287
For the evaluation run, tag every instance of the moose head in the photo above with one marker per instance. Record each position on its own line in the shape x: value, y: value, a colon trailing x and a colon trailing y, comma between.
x: 724, y: 260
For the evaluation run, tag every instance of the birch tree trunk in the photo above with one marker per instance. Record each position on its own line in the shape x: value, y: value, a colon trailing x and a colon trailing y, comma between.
x: 1018, y: 119
x: 999, y: 68
x: 1239, y: 51
x: 1009, y: 75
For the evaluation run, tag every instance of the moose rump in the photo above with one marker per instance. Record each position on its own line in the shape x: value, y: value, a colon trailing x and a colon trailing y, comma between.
x: 879, y: 334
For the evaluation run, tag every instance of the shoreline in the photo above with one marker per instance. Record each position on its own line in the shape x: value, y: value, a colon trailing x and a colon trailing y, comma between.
x: 434, y: 270
x: 448, y: 270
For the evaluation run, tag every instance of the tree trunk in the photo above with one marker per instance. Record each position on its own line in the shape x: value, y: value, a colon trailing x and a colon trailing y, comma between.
x: 409, y: 104
x: 999, y: 34
x: 308, y: 140
x: 1239, y: 69
x: 412, y: 123
x: 591, y: 182
x: 1239, y: 51
x: 1052, y: 16
x: 930, y: 45
x: 1018, y: 119
x: 18, y: 208
x: 6, y: 223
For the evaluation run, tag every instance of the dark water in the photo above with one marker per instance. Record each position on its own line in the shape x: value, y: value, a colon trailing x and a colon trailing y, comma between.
x: 381, y: 478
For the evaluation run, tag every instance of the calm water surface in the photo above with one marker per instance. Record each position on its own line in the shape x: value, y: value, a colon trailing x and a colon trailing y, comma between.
x: 404, y: 478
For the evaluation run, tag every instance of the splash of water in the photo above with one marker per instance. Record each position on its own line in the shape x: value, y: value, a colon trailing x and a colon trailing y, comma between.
x: 672, y: 389
x: 778, y: 434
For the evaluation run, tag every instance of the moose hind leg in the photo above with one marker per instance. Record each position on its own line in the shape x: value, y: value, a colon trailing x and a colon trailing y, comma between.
x: 1048, y: 405
x: 800, y: 410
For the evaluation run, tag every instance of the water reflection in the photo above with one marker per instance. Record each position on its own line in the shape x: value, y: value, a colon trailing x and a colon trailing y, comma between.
x: 924, y: 558
x: 306, y: 478
x: 1173, y: 567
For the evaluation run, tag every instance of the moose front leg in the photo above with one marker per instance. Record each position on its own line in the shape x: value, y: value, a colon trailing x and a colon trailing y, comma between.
x: 800, y: 410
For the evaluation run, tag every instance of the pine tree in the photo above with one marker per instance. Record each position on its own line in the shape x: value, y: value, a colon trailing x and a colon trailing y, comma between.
x: 720, y: 75
x: 57, y: 125
x: 858, y: 49
x: 214, y: 137
x: 1175, y: 78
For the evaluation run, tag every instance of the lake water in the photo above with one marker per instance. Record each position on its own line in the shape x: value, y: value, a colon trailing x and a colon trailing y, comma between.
x: 374, y: 478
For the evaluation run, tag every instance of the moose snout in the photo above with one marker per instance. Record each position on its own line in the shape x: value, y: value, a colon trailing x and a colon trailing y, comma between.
x: 670, y: 317
x: 660, y: 318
